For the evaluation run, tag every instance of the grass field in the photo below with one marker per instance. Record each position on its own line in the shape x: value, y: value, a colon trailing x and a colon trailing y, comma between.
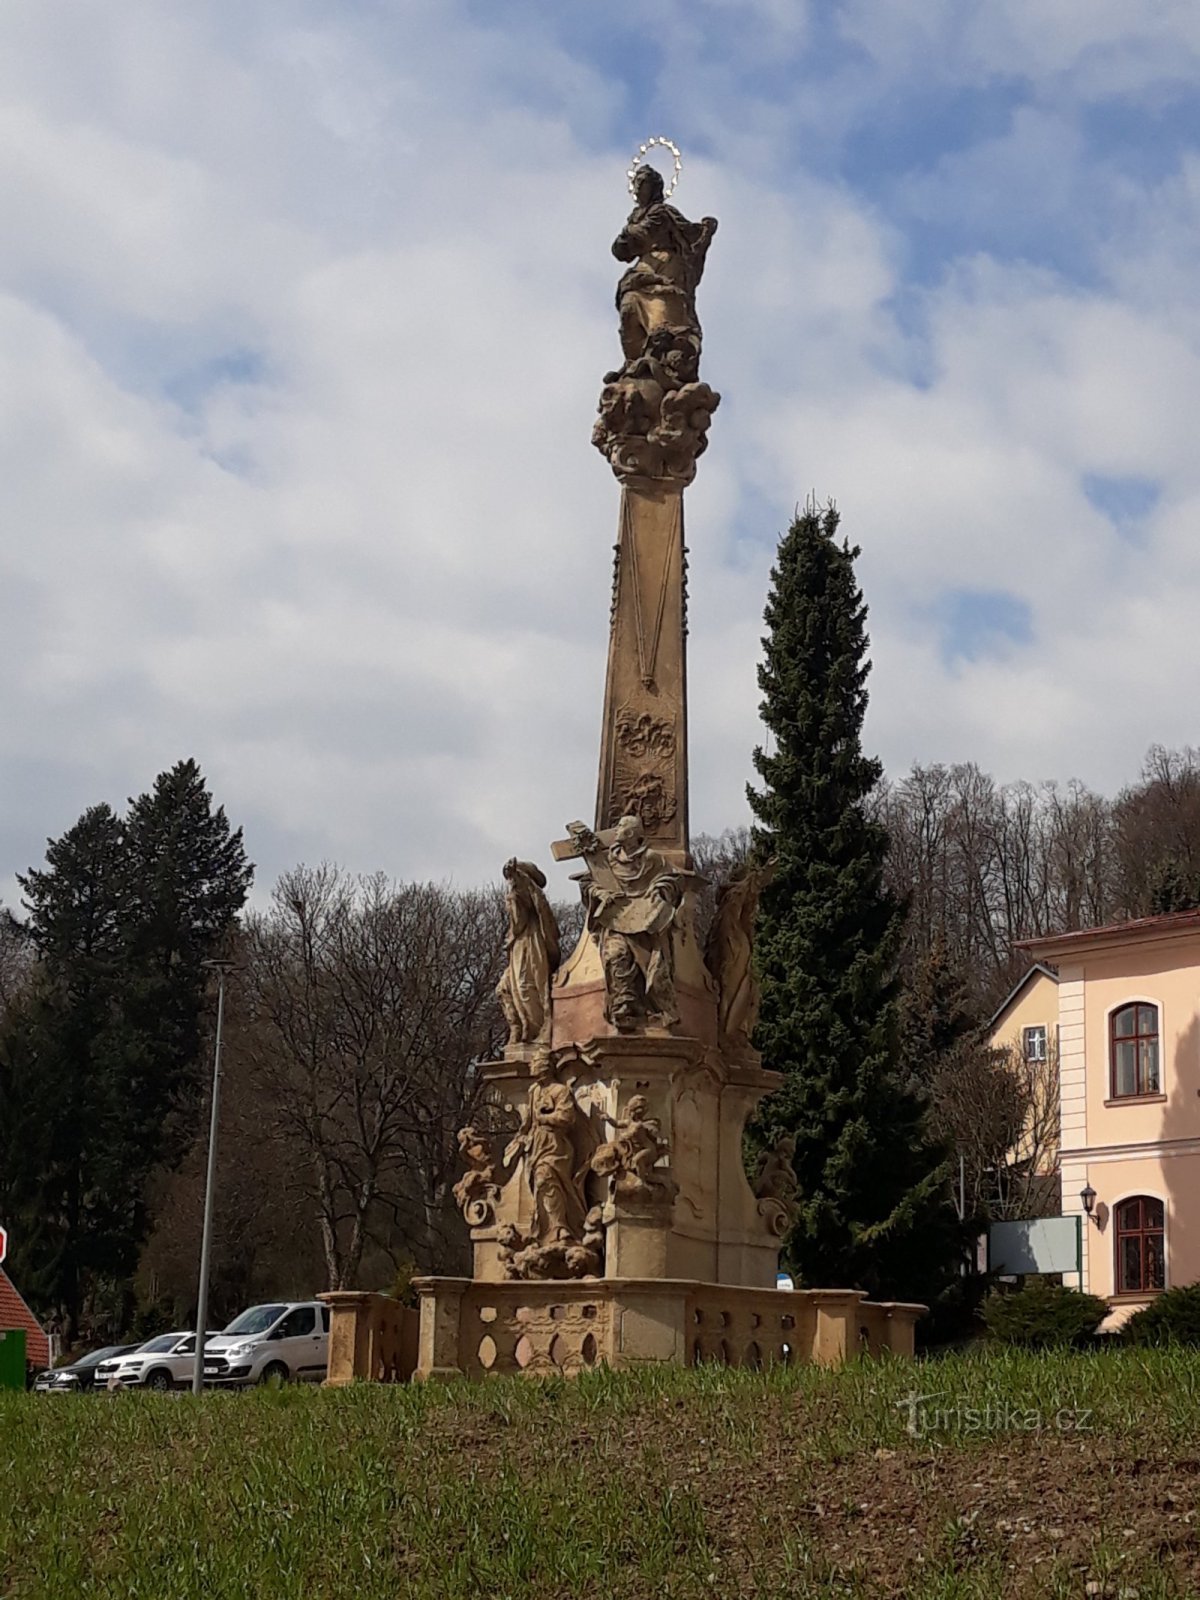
x: 1024, y: 1476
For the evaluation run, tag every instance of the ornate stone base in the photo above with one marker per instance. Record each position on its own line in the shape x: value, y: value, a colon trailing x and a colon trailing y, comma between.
x: 471, y: 1329
x: 710, y: 1225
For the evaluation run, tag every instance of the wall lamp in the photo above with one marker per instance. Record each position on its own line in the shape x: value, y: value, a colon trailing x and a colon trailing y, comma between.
x: 1087, y: 1197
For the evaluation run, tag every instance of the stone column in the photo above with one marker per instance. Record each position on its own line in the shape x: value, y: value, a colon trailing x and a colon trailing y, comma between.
x: 643, y: 741
x: 441, y: 1323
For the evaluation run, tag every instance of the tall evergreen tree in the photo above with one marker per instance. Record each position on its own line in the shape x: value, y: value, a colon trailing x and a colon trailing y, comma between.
x: 874, y: 1209
x: 188, y: 880
x: 97, y: 1056
x: 57, y: 1097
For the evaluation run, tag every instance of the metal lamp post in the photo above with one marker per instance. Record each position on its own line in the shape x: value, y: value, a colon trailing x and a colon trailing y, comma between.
x: 222, y: 969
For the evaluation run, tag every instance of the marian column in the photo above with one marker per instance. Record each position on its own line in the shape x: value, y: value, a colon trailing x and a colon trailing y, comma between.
x: 629, y: 1071
x: 610, y: 1212
x: 653, y: 424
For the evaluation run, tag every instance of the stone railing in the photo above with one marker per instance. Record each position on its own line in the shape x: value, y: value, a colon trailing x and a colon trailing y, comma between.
x: 371, y: 1336
x: 473, y: 1328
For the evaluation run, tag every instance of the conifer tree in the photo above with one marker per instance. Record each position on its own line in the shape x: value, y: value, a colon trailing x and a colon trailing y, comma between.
x: 188, y: 880
x: 64, y: 1199
x: 874, y: 1210
x: 103, y: 1048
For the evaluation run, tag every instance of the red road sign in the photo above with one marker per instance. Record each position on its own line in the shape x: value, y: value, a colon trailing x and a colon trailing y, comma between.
x: 3, y: 1244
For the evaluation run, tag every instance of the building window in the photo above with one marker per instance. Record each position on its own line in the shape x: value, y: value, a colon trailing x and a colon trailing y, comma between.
x: 1135, y: 1051
x: 1140, y: 1257
x: 1034, y: 1043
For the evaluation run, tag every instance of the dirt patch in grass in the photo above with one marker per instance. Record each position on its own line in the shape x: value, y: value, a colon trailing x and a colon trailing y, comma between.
x: 1005, y: 1505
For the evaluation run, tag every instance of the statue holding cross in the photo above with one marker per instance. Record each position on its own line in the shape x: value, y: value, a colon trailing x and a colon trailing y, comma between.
x: 632, y: 894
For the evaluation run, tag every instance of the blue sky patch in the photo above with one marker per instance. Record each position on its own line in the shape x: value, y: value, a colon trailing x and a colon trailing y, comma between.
x: 1125, y: 501
x: 191, y: 386
x: 975, y: 623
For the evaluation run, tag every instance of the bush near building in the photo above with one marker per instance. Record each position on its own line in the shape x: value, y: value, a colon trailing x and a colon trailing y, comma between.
x: 1043, y: 1316
x: 1173, y: 1318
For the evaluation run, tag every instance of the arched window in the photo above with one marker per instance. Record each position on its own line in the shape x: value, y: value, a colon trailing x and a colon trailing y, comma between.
x: 1134, y: 1050
x: 1139, y: 1245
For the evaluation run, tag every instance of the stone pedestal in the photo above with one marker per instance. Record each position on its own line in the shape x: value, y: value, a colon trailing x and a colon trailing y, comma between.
x: 712, y: 1227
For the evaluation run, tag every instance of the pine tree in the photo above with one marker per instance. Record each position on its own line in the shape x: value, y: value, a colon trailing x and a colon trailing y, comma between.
x: 874, y: 1209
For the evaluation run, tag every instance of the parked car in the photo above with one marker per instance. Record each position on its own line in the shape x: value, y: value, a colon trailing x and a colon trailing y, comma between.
x: 78, y: 1375
x: 160, y: 1363
x: 278, y: 1343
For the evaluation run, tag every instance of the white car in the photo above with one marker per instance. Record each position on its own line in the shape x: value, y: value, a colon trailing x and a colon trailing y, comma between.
x: 278, y: 1343
x: 161, y: 1363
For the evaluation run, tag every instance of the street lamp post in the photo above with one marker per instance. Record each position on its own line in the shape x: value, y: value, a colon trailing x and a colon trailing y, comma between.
x: 222, y: 969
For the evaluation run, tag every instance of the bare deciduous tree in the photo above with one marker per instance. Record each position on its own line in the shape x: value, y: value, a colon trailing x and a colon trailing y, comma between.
x: 370, y: 1006
x: 998, y: 1113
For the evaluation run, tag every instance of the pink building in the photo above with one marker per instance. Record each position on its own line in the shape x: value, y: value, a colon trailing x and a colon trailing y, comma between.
x: 1129, y: 1059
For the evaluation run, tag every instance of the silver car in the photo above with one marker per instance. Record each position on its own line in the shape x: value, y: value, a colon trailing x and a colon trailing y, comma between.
x: 161, y: 1363
x: 284, y: 1342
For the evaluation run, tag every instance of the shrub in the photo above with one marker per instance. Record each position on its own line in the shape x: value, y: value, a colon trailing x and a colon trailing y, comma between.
x: 1173, y: 1318
x: 1043, y: 1316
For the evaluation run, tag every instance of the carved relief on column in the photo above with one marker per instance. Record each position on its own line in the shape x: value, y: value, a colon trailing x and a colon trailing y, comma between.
x: 643, y: 758
x: 645, y: 771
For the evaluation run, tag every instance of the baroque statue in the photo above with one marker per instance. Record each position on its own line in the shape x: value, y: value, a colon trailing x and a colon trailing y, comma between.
x: 654, y: 411
x: 776, y: 1179
x: 729, y: 951
x: 522, y: 1256
x: 628, y: 1158
x: 553, y: 1146
x: 477, y: 1190
x: 632, y: 895
x: 533, y: 953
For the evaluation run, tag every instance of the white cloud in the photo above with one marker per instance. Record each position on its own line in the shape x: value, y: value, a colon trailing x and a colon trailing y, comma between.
x: 301, y: 336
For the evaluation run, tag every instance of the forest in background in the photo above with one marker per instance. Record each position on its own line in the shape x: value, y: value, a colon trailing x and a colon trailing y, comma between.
x: 362, y: 1008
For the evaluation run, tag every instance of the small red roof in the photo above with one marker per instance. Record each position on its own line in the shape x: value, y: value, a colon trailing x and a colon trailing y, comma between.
x: 1163, y: 926
x: 14, y: 1313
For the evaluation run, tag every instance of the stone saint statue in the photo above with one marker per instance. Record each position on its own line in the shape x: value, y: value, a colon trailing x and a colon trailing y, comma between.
x: 533, y: 953
x: 548, y: 1142
x: 658, y: 292
x: 729, y: 951
x: 654, y: 411
x: 632, y: 896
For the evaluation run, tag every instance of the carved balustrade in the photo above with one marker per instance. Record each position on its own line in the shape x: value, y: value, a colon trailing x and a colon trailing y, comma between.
x: 371, y: 1336
x: 473, y: 1329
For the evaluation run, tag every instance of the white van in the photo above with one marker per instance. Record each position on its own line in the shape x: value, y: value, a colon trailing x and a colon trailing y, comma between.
x: 284, y: 1342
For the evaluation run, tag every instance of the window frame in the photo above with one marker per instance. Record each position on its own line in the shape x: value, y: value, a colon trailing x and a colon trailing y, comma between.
x: 1139, y: 1092
x: 1142, y: 1232
x: 1026, y: 1053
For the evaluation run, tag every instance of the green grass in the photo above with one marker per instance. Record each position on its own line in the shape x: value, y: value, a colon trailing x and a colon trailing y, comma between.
x: 662, y: 1482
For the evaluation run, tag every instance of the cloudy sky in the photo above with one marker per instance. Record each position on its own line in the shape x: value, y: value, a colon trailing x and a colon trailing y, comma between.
x: 303, y: 313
